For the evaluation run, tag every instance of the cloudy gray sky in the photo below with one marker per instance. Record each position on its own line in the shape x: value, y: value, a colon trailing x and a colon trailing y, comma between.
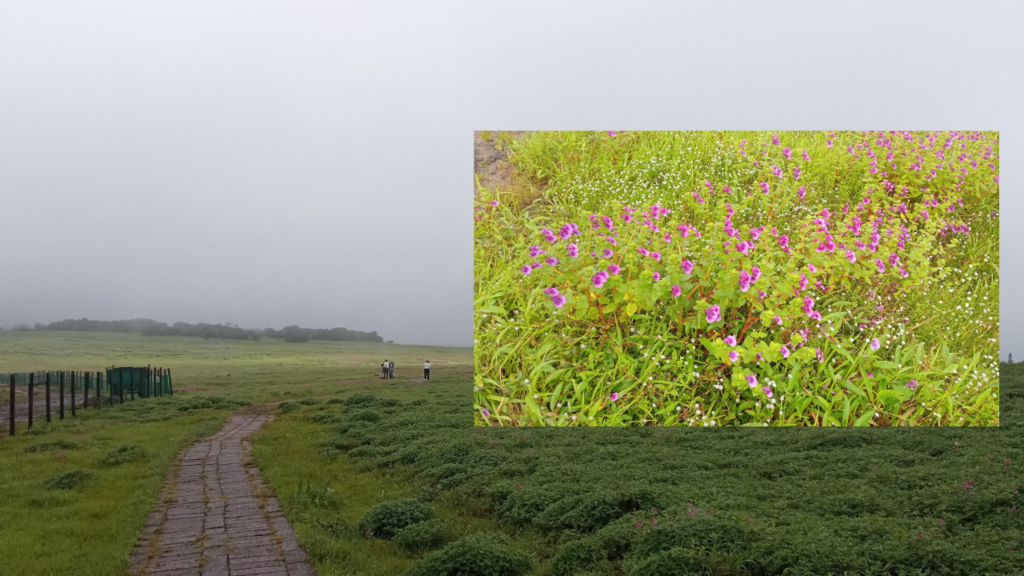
x: 311, y: 163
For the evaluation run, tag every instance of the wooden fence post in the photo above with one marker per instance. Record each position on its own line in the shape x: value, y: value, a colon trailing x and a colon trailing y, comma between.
x: 170, y: 382
x: 73, y: 375
x: 61, y: 387
x: 132, y: 387
x: 47, y: 395
x: 12, y: 404
x: 31, y: 395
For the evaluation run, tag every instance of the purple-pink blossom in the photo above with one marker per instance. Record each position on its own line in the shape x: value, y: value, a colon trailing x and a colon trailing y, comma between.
x: 552, y: 291
x: 526, y: 269
x: 730, y: 340
x: 676, y: 291
x: 573, y: 250
x: 713, y: 314
x: 734, y: 355
x: 875, y: 344
x: 784, y: 351
x: 607, y: 252
x: 744, y: 281
x: 615, y: 396
x: 912, y: 384
x: 752, y: 380
x: 614, y: 269
x: 687, y: 266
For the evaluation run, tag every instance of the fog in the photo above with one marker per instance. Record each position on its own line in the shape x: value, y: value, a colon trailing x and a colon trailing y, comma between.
x: 286, y: 163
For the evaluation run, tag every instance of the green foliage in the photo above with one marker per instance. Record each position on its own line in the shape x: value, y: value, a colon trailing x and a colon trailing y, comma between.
x: 311, y: 495
x: 386, y: 519
x: 123, y: 455
x: 480, y: 554
x: 423, y: 536
x: 857, y: 272
x: 53, y: 446
x: 729, y: 501
x: 210, y: 402
x: 68, y: 480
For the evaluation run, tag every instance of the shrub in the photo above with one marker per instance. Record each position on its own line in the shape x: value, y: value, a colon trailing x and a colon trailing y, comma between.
x: 385, y: 519
x: 422, y: 536
x: 210, y: 402
x: 53, y: 446
x: 366, y: 416
x: 327, y: 418
x: 68, y: 480
x: 482, y: 554
x: 123, y: 455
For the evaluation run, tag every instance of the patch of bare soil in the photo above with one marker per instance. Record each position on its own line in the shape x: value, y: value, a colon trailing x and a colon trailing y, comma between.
x: 490, y: 159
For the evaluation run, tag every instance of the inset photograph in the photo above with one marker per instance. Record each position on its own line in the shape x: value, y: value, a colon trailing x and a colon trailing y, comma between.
x: 736, y: 278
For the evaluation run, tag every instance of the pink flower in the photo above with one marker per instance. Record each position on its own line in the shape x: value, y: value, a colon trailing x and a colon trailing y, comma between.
x: 676, y: 291
x: 614, y: 269
x: 687, y: 266
x: 607, y: 252
x: 730, y: 340
x: 598, y: 280
x: 851, y: 256
x: 558, y: 300
x: 875, y: 344
x: 656, y: 256
x: 784, y: 351
x: 775, y: 139
x: 551, y: 260
x: 494, y: 202
x: 734, y: 355
x: 787, y: 152
x: 783, y: 241
x: 755, y: 273
x: 573, y: 250
x: 744, y: 247
x: 615, y: 396
x: 744, y: 281
x: 485, y: 411
x: 526, y: 269
x: 552, y: 291
x: 778, y: 320
x: 880, y: 264
x: 713, y: 314
x: 752, y: 380
x: 912, y: 384
x: 767, y: 391
x: 656, y: 276
x: 643, y: 251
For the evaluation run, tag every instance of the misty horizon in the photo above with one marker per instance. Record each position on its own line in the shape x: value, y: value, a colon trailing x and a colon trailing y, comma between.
x: 311, y: 164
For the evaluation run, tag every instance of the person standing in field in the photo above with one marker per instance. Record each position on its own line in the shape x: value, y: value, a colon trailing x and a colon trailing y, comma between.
x: 381, y: 374
x: 391, y: 369
x: 426, y: 370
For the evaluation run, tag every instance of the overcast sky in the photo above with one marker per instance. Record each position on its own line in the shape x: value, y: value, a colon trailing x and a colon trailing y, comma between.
x: 311, y: 163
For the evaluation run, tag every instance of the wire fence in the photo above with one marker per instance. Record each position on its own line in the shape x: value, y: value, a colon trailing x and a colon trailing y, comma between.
x: 57, y: 393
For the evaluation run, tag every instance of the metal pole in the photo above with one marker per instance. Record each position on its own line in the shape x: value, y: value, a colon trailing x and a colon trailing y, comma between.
x: 47, y: 396
x: 62, y: 395
x: 31, y: 395
x: 73, y: 375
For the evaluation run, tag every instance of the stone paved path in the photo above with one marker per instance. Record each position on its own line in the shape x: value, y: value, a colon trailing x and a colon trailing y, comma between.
x: 216, y: 516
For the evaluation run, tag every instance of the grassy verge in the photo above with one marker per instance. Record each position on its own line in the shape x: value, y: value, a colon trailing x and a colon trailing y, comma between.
x: 74, y: 494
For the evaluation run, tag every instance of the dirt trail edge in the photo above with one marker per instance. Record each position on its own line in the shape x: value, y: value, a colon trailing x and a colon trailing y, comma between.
x: 216, y: 516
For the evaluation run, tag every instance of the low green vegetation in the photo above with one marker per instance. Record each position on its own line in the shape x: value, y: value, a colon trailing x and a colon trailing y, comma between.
x: 74, y: 494
x: 643, y: 501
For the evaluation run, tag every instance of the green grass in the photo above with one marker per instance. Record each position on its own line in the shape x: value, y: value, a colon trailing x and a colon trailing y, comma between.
x: 641, y: 501
x: 639, y: 350
x: 74, y: 494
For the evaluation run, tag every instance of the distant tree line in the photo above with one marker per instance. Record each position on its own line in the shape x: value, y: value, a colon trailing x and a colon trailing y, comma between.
x: 227, y: 331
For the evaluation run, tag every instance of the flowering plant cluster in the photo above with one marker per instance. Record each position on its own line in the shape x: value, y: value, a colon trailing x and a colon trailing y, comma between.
x: 768, y: 298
